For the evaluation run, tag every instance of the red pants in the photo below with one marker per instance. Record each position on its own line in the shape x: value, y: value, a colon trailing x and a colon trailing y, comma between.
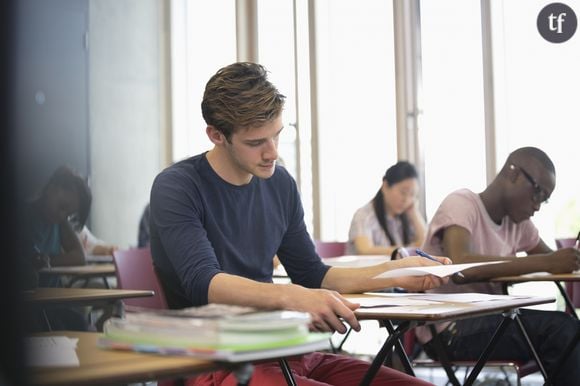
x: 315, y: 369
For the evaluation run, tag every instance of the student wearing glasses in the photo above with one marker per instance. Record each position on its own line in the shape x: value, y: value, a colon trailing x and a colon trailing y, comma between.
x: 495, y: 225
x: 391, y: 219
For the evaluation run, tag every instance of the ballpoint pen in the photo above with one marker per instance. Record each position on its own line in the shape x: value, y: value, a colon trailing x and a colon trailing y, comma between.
x: 428, y: 256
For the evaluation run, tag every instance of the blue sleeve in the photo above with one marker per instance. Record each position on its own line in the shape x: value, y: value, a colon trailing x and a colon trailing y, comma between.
x: 177, y: 215
x: 297, y: 252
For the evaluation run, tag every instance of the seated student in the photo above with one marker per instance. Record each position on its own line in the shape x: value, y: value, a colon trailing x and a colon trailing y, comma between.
x: 50, y: 222
x: 218, y: 218
x: 93, y: 245
x: 52, y: 218
x: 495, y: 225
x: 391, y: 219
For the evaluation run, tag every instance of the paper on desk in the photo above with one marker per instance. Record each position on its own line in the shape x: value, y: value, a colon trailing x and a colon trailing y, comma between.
x: 467, y: 297
x: 413, y: 310
x: 52, y: 351
x: 389, y: 302
x: 441, y: 270
x: 355, y: 260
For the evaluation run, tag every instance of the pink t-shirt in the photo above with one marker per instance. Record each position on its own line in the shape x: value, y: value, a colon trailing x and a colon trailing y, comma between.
x: 465, y: 209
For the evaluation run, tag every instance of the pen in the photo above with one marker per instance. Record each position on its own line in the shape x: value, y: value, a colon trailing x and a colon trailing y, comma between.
x: 577, y: 243
x: 428, y: 256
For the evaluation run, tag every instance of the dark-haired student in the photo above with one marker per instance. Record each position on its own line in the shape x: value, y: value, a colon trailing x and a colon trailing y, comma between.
x: 51, y: 221
x: 218, y: 218
x: 495, y: 225
x: 391, y: 219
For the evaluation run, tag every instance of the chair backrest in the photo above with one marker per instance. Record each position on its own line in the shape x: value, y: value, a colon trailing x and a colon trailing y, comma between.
x: 565, y: 243
x: 135, y: 271
x: 573, y: 288
x: 330, y: 248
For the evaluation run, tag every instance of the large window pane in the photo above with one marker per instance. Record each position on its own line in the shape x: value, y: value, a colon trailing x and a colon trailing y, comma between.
x: 276, y: 52
x: 537, y: 85
x: 203, y: 40
x: 356, y: 100
x: 452, y: 125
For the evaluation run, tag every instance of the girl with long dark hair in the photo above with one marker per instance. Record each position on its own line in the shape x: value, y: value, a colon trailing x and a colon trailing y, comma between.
x: 391, y: 219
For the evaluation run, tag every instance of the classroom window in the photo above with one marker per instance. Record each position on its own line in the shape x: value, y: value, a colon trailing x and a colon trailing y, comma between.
x: 356, y: 107
x: 452, y: 125
x: 536, y: 85
x: 203, y: 40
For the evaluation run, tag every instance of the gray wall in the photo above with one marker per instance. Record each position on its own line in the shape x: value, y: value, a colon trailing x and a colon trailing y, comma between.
x: 126, y: 113
x: 51, y: 90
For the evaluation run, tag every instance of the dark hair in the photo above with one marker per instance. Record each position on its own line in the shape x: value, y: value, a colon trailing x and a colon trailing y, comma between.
x: 240, y: 96
x: 400, y: 171
x: 67, y: 179
x: 525, y: 153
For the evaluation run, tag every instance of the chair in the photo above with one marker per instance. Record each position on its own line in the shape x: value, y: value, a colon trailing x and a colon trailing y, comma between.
x: 135, y: 271
x: 330, y: 248
x: 573, y: 288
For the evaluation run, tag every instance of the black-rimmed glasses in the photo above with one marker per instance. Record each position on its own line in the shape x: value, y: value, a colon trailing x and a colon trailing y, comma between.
x: 539, y: 196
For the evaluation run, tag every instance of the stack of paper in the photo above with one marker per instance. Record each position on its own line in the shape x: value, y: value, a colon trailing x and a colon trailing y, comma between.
x: 215, y: 332
x: 51, y: 351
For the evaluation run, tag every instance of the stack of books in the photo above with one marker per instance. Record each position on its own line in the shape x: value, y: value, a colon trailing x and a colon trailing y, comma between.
x: 216, y: 332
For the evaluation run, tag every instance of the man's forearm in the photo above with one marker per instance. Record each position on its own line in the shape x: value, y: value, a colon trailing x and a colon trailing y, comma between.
x: 231, y: 289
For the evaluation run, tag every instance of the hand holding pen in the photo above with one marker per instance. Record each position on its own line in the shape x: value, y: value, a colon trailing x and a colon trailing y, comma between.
x: 428, y: 256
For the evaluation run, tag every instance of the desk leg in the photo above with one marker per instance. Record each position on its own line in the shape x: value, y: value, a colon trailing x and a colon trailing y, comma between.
x: 532, y: 348
x: 46, y: 320
x: 443, y: 357
x: 569, y: 305
x: 287, y: 372
x: 489, y: 348
x: 400, y: 350
x: 384, y: 352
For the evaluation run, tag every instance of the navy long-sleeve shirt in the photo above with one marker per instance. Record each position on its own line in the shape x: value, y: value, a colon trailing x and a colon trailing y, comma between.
x: 201, y: 225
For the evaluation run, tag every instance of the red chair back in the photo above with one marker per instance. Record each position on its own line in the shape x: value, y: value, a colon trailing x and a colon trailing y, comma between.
x: 573, y: 288
x: 565, y: 243
x: 330, y: 248
x: 135, y: 271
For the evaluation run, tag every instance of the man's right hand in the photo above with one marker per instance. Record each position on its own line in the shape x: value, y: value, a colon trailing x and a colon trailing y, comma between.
x: 564, y: 260
x: 325, y: 307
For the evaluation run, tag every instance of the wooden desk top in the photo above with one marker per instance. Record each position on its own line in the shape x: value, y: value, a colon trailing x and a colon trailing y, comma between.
x: 42, y: 296
x: 81, y: 270
x: 447, y: 310
x: 542, y: 276
x: 101, y: 367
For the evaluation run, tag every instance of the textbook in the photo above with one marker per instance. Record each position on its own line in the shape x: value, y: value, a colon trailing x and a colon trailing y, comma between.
x: 314, y: 341
x: 216, y: 332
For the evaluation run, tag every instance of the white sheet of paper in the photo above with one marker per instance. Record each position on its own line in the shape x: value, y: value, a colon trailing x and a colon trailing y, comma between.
x: 467, y: 297
x: 420, y: 310
x: 52, y: 351
x: 389, y: 302
x: 441, y: 270
x: 355, y: 260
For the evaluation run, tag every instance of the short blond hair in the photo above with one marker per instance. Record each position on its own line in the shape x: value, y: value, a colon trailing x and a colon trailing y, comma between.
x: 239, y: 96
